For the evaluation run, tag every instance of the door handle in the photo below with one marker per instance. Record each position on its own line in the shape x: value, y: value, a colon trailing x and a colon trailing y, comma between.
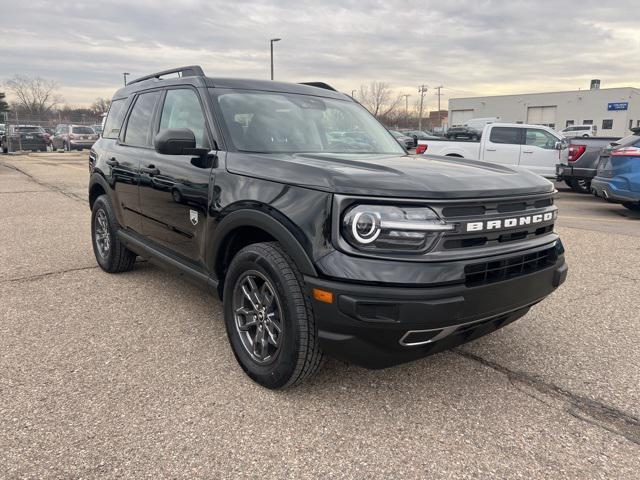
x: 151, y: 170
x: 112, y: 162
x: 491, y: 149
x: 527, y: 151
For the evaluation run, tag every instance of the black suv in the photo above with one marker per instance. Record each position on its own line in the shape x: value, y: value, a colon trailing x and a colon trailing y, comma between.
x: 315, y: 227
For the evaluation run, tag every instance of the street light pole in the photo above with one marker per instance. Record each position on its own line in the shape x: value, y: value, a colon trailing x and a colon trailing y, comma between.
x: 422, y: 89
x: 406, y: 108
x: 353, y: 94
x: 271, y: 45
x: 124, y: 75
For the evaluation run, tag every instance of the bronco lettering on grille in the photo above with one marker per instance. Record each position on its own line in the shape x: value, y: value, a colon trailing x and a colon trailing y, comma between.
x: 511, y: 222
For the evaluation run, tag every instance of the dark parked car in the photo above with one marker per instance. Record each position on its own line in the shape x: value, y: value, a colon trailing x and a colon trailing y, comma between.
x: 24, y: 137
x: 420, y: 135
x: 316, y: 245
x: 404, y: 140
x: 74, y: 137
x: 582, y: 162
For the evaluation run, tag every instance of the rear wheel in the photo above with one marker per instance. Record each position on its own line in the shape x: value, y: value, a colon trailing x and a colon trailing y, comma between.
x: 632, y: 206
x: 110, y: 252
x: 268, y: 317
x: 579, y: 185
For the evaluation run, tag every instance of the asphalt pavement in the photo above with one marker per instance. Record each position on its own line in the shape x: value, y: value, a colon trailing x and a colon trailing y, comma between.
x: 131, y: 375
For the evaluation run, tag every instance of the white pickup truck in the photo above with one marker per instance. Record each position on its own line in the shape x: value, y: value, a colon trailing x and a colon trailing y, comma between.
x: 534, y: 147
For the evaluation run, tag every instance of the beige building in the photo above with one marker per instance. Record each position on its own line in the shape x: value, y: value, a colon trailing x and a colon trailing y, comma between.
x: 613, y: 110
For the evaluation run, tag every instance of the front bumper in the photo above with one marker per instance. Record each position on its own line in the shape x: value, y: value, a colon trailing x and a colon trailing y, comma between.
x: 379, y: 326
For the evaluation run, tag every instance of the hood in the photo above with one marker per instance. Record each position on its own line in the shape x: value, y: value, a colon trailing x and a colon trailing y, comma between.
x: 409, y: 176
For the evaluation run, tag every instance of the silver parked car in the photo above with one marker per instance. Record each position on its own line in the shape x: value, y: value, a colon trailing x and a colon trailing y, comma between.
x: 74, y: 137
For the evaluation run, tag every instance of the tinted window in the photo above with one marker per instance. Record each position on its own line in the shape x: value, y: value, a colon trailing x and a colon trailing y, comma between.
x: 113, y: 124
x: 182, y: 110
x: 137, y: 133
x: 607, y: 124
x: 505, y: 135
x: 588, y: 122
x: 83, y: 130
x: 29, y: 129
x: 540, y: 138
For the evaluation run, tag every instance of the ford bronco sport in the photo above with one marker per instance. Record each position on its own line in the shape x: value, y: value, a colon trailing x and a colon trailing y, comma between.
x: 318, y: 231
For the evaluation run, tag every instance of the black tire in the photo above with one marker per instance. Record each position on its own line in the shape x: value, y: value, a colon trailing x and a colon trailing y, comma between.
x: 579, y: 185
x: 115, y: 257
x: 298, y: 355
x: 634, y: 207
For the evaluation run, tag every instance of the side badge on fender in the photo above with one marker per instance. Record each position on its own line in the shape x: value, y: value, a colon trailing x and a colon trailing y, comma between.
x: 193, y: 216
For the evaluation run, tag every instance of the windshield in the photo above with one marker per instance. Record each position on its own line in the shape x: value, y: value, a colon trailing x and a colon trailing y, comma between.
x: 269, y: 122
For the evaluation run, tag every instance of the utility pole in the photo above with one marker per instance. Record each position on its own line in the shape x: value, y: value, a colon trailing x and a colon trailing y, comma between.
x: 271, y: 45
x: 406, y: 107
x: 439, y: 94
x: 124, y: 75
x: 422, y: 89
x: 353, y: 94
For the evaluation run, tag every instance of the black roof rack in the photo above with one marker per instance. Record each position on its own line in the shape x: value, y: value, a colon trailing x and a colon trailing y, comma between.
x: 319, y: 85
x: 189, y: 71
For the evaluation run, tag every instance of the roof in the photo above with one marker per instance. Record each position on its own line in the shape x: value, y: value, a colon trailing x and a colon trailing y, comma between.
x: 193, y: 78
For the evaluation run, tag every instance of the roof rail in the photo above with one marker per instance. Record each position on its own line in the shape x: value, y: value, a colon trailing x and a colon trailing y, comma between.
x: 319, y: 85
x: 189, y: 71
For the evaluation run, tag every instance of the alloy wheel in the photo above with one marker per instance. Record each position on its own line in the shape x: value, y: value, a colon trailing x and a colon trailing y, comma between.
x: 258, y: 317
x: 101, y: 233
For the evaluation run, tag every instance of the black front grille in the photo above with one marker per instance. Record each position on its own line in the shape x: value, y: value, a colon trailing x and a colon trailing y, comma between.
x: 499, y: 270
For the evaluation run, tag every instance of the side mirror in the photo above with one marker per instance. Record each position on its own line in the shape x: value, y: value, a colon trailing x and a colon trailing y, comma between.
x: 177, y: 141
x: 560, y: 145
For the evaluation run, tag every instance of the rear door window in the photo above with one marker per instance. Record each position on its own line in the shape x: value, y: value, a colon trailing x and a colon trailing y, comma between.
x: 113, y: 124
x: 83, y: 130
x: 508, y: 135
x: 138, y: 133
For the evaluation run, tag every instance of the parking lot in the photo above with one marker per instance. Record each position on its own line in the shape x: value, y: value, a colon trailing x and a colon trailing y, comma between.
x: 131, y: 375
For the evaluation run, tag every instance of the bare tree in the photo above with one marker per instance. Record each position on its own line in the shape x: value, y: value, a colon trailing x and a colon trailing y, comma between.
x: 100, y: 106
x: 4, y: 106
x: 378, y: 98
x: 34, y: 95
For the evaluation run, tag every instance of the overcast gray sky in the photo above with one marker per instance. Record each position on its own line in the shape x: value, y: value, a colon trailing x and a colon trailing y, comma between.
x: 471, y: 47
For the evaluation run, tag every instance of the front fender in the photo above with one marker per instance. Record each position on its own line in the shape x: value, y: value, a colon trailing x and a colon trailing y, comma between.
x: 276, y: 228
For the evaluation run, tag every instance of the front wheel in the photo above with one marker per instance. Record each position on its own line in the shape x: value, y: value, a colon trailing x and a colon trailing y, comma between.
x: 110, y: 252
x: 268, y: 317
x: 635, y: 207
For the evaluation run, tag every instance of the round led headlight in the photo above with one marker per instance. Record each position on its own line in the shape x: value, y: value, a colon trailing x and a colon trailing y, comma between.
x: 392, y: 228
x: 365, y: 227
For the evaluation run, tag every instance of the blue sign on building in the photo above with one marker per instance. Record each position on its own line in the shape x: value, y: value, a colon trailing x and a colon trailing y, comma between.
x: 618, y: 106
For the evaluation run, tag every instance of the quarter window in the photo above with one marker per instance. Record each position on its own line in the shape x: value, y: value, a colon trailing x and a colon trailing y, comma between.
x: 138, y: 126
x: 113, y: 124
x: 508, y: 135
x: 182, y: 110
x: 541, y: 139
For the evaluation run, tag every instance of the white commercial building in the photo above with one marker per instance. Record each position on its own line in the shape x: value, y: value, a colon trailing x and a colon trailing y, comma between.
x: 613, y: 110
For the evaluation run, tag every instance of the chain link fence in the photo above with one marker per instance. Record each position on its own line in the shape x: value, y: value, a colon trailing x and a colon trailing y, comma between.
x: 36, y: 133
